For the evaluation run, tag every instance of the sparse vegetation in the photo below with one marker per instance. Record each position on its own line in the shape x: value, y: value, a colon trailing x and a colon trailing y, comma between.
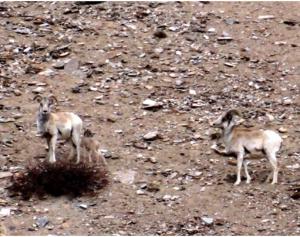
x: 61, y: 178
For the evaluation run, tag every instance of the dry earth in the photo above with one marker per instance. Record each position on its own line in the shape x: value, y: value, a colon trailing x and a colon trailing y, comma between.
x: 195, y: 59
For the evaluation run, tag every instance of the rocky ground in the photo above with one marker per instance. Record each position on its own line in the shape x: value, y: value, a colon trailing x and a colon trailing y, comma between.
x: 148, y: 78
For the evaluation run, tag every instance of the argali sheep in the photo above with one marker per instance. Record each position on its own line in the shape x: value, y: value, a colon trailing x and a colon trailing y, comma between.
x: 239, y: 141
x: 91, y: 148
x: 52, y: 125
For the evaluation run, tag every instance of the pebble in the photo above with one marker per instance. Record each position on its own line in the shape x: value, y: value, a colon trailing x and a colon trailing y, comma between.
x: 47, y: 73
x: 192, y: 92
x: 59, y: 65
x: 153, y: 160
x: 282, y: 130
x: 83, y: 206
x: 287, y: 101
x: 207, y: 220
x: 5, y: 211
x: 151, y: 104
x: 17, y: 92
x: 140, y: 192
x: 42, y: 222
x: 270, y: 117
x: 151, y: 136
x: 266, y: 17
x: 39, y: 90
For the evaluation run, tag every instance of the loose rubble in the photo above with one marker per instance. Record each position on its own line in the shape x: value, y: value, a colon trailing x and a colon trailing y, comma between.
x: 148, y: 78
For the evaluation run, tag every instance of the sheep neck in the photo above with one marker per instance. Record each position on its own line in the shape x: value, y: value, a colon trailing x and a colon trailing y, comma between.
x: 44, y: 117
x: 227, y: 134
x: 41, y: 122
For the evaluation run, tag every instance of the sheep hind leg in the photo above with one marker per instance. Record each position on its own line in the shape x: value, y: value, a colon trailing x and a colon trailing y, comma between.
x: 52, y: 144
x: 71, y: 154
x: 239, y: 167
x: 76, y: 144
x: 246, y: 163
x: 273, y: 161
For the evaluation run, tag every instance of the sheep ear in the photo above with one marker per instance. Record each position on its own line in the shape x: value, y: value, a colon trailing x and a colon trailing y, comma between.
x: 233, y: 112
x: 52, y: 100
x: 88, y: 133
x: 38, y: 98
x: 227, y: 117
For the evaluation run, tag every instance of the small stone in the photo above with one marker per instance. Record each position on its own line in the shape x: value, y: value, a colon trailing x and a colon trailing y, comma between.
x: 59, y: 65
x: 270, y: 117
x: 140, y: 192
x: 295, y: 166
x: 179, y: 82
x: 282, y: 130
x: 231, y: 21
x: 48, y: 72
x: 287, y: 101
x: 211, y: 30
x: 92, y: 88
x: 17, y: 92
x: 280, y: 42
x: 283, y: 207
x: 207, y: 220
x: 158, y: 50
x: 196, y: 174
x: 42, y: 222
x: 83, y: 206
x: 23, y: 30
x: 173, y: 28
x: 192, y: 92
x: 39, y: 90
x: 266, y: 17
x: 229, y: 64
x: 153, y: 160
x: 140, y: 145
x: 151, y: 136
x: 224, y: 39
x: 167, y: 197
x: 5, y: 211
x: 173, y: 75
x: 151, y: 104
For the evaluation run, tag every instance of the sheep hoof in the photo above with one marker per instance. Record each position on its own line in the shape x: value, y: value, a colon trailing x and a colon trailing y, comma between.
x: 237, y: 183
x: 248, y: 181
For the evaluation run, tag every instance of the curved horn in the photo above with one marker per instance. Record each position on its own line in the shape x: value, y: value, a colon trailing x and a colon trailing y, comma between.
x: 37, y: 98
x: 229, y: 114
x: 234, y: 112
x: 52, y: 99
